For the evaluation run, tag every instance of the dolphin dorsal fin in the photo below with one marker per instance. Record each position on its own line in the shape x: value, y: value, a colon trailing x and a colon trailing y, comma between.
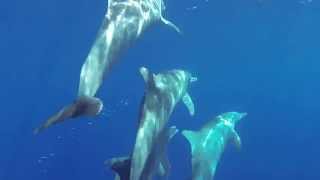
x: 193, y: 138
x: 236, y: 139
x: 147, y: 76
x: 189, y: 103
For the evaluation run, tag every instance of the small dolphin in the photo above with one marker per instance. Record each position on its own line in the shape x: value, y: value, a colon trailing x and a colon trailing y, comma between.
x: 207, y: 144
x: 121, y: 166
x: 124, y: 22
x: 162, y: 93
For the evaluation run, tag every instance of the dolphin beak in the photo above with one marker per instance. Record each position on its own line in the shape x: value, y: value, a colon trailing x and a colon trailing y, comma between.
x: 243, y: 114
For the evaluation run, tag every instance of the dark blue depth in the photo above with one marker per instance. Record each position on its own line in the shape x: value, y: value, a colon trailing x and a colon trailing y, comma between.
x: 258, y: 56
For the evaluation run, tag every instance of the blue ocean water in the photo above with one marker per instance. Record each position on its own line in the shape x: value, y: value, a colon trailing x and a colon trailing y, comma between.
x: 257, y: 56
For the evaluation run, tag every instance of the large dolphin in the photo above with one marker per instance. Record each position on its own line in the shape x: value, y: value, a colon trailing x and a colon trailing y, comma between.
x: 124, y: 22
x: 121, y: 165
x: 207, y: 144
x: 162, y: 92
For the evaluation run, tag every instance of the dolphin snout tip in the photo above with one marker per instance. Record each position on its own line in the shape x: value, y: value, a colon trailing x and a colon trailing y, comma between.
x: 243, y: 114
x: 36, y: 131
x: 143, y: 69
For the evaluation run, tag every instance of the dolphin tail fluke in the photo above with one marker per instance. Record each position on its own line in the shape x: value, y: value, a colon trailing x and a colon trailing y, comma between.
x: 83, y: 106
x: 189, y: 103
x: 170, y: 24
x: 193, y: 138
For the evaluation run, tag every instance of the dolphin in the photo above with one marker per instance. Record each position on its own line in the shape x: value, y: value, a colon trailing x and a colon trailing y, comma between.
x: 207, y: 144
x: 121, y: 166
x: 124, y: 22
x: 162, y: 92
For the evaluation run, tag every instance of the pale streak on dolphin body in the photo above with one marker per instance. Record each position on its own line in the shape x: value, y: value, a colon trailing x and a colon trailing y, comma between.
x: 162, y: 92
x: 124, y: 22
x: 208, y: 144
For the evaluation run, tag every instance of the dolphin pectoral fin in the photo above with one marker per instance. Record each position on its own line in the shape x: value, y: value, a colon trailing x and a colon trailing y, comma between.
x: 83, y: 106
x: 170, y: 24
x: 193, y: 138
x: 189, y: 103
x: 236, y: 140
